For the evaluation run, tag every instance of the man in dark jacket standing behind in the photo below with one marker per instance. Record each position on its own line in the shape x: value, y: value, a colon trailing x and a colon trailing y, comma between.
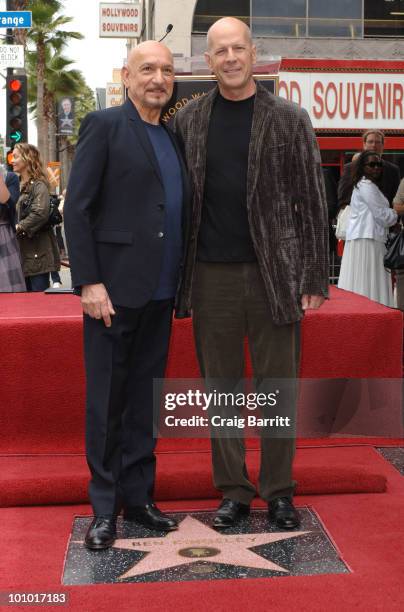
x: 123, y: 220
x: 259, y: 238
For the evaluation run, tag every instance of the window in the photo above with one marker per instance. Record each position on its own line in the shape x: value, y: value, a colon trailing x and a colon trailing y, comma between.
x: 209, y: 11
x: 337, y: 18
x: 302, y: 18
x: 308, y: 18
x: 383, y: 19
x: 279, y: 18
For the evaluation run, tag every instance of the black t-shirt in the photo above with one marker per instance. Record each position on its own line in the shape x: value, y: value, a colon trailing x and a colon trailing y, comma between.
x: 224, y: 234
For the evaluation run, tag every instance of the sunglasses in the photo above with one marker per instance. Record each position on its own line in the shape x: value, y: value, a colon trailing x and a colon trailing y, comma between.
x: 374, y: 164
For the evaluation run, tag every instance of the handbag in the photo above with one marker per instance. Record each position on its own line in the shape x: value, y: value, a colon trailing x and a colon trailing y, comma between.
x: 394, y: 257
x: 55, y: 216
x: 342, y: 223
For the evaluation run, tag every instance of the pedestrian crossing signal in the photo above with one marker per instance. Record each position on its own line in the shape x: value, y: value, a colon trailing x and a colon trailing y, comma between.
x: 16, y: 109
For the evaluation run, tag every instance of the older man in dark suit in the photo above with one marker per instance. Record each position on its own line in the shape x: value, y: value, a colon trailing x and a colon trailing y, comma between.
x: 260, y: 243
x: 373, y: 140
x: 123, y: 218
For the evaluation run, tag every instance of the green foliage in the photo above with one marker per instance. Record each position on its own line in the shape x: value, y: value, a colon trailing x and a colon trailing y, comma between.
x: 45, y: 63
x: 85, y: 103
x: 46, y: 25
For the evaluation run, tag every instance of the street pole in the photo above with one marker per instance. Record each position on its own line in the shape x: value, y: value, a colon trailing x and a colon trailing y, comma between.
x: 12, y: 39
x: 9, y: 33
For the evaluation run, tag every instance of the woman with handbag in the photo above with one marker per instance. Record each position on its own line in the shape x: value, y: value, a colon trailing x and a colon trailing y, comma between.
x: 11, y: 276
x: 39, y: 251
x: 398, y: 204
x: 362, y: 269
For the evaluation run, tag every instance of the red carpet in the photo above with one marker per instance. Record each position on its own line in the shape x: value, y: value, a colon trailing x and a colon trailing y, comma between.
x: 42, y: 378
x: 41, y: 413
x: 368, y: 530
x: 40, y: 480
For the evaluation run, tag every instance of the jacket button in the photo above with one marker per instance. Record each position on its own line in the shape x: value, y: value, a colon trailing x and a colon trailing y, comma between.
x: 160, y: 234
x: 160, y: 206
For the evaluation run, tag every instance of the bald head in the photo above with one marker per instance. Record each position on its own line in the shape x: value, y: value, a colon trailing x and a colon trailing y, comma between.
x: 231, y: 56
x: 149, y: 78
x: 146, y: 49
x: 227, y: 25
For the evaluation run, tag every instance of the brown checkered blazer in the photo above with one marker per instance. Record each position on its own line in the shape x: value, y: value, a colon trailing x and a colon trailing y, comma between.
x: 286, y: 203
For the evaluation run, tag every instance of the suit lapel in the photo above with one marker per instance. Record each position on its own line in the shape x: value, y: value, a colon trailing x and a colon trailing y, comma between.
x: 199, y: 147
x: 262, y: 118
x: 137, y: 126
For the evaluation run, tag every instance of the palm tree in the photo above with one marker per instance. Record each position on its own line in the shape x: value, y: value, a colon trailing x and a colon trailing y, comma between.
x: 59, y: 82
x: 19, y: 34
x: 44, y: 35
x: 84, y: 103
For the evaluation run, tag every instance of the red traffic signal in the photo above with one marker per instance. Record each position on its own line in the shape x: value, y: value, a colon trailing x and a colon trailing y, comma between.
x: 15, y: 84
x: 16, y: 109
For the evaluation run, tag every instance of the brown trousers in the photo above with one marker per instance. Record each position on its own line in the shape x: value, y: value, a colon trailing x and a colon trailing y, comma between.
x: 229, y: 303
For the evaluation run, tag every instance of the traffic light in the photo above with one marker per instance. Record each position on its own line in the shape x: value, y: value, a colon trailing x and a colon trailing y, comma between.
x: 17, y: 130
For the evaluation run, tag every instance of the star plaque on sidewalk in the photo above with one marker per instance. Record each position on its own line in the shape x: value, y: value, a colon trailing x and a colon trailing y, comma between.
x: 194, y: 541
x: 252, y: 549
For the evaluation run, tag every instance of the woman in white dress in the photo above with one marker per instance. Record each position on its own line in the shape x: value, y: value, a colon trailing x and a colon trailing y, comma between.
x: 362, y: 269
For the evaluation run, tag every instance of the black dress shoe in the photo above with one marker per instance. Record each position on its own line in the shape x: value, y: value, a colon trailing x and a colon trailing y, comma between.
x: 102, y: 533
x: 150, y: 516
x: 229, y: 511
x: 282, y: 511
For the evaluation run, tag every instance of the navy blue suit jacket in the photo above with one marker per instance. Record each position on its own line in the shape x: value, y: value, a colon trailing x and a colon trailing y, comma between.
x: 115, y: 206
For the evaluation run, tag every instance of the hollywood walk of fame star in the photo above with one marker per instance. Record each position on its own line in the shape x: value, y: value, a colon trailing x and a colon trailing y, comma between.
x: 195, y: 541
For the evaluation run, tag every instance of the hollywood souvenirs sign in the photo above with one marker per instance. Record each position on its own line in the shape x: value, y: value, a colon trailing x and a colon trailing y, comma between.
x: 120, y: 20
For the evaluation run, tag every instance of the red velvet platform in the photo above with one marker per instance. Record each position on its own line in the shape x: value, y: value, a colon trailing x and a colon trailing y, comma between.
x: 42, y: 376
x: 37, y: 480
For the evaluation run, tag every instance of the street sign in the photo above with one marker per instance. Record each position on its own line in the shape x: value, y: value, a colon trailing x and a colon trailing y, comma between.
x: 114, y: 94
x: 120, y: 20
x: 53, y: 172
x: 15, y: 19
x: 11, y: 56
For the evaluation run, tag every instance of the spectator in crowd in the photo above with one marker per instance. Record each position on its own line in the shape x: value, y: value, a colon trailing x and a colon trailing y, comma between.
x: 60, y: 240
x: 55, y: 276
x: 11, y: 276
x: 398, y: 204
x: 59, y: 228
x: 362, y: 269
x: 39, y: 251
x: 330, y: 185
x: 388, y: 180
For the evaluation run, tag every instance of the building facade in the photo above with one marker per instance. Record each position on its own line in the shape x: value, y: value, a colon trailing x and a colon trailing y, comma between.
x: 342, y: 60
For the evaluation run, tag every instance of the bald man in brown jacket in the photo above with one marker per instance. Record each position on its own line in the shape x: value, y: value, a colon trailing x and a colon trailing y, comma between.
x: 257, y: 255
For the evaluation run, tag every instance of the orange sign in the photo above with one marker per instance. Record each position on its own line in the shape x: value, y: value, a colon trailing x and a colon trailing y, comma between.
x: 53, y: 170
